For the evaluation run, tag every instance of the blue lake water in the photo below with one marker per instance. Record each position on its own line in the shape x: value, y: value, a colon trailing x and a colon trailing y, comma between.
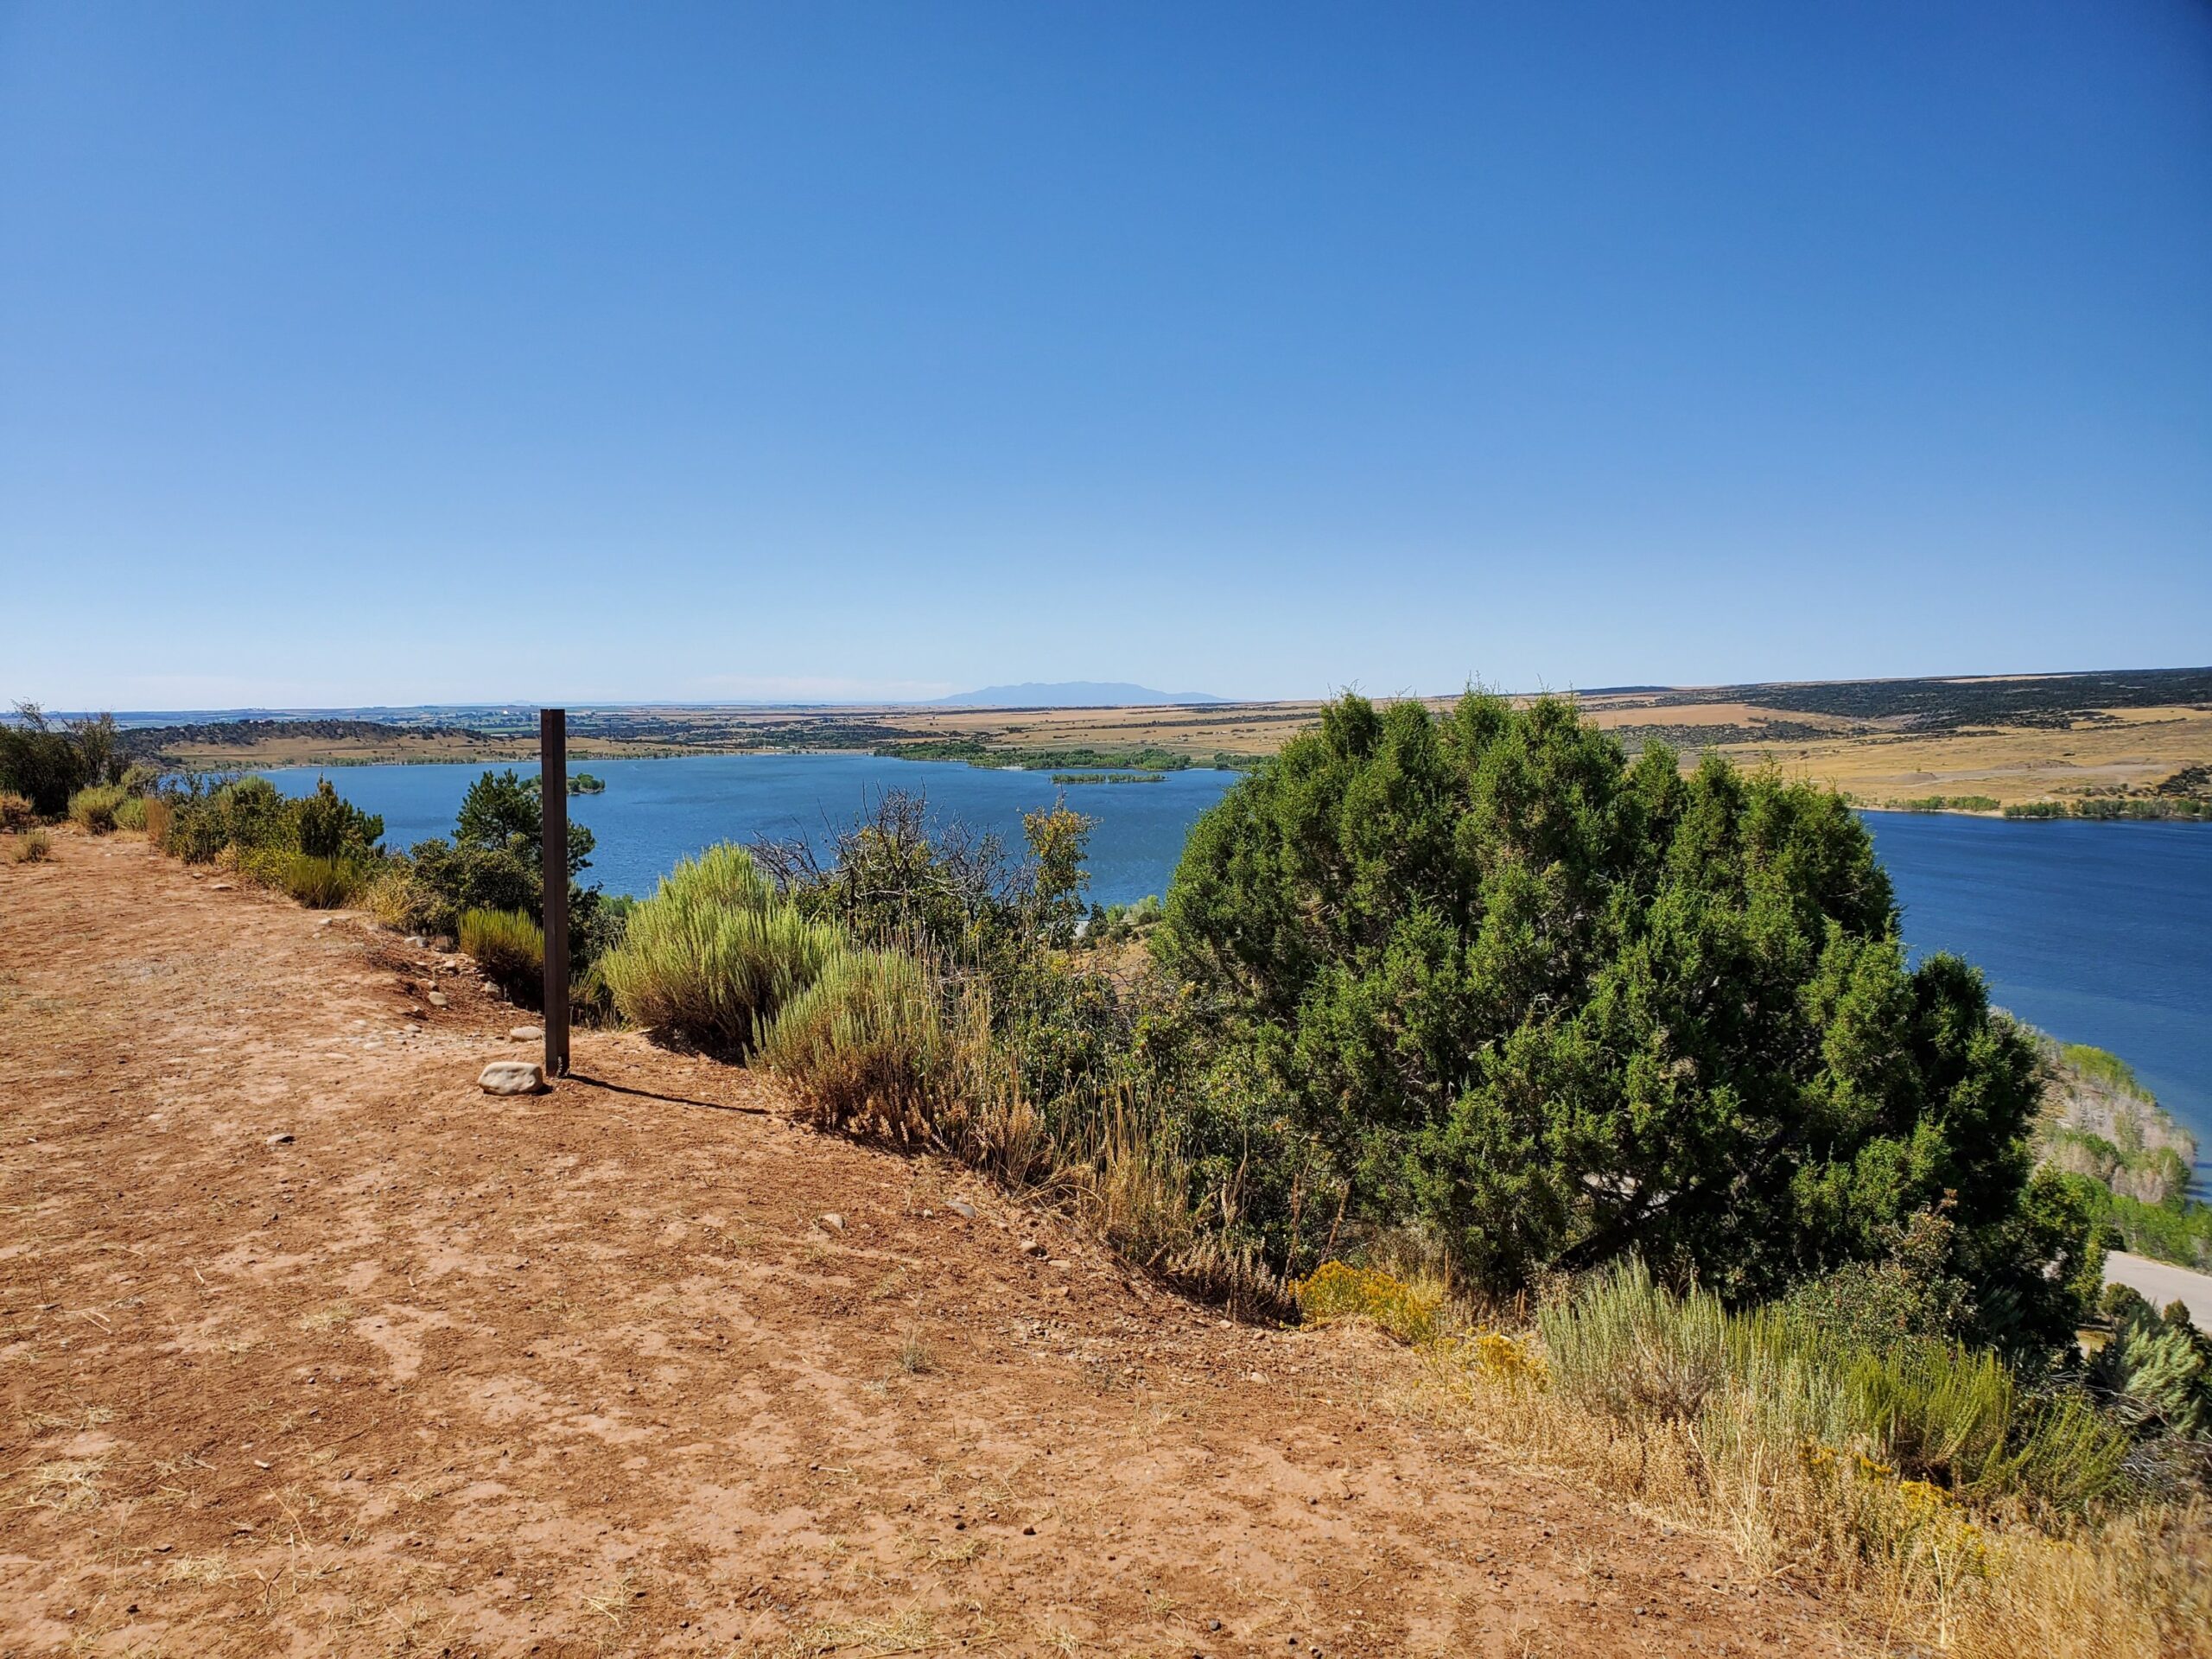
x: 2097, y: 932
x: 655, y: 813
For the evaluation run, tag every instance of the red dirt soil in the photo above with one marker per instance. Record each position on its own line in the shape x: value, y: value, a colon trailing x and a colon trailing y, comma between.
x: 309, y: 1347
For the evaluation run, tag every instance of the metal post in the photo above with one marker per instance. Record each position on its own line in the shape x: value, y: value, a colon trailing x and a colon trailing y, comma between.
x: 553, y: 795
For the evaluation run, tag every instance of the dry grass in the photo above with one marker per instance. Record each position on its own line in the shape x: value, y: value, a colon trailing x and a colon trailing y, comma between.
x: 64, y: 1485
x: 32, y: 847
x: 914, y: 1355
x: 1928, y: 1571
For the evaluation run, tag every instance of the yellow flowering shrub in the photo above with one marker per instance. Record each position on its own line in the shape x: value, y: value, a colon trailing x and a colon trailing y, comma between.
x: 1337, y: 1290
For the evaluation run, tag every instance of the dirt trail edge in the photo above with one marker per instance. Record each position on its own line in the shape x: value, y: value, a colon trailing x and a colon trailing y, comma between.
x: 310, y: 1347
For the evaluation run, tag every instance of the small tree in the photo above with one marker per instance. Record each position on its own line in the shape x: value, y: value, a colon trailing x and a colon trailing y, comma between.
x: 1058, y: 839
x: 48, y: 764
x: 494, y: 861
x: 327, y: 825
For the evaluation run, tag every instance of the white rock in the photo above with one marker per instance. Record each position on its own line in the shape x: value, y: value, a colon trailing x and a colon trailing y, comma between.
x: 527, y: 1033
x: 1030, y: 1246
x: 513, y: 1078
x: 965, y: 1211
x: 436, y: 999
x: 832, y: 1222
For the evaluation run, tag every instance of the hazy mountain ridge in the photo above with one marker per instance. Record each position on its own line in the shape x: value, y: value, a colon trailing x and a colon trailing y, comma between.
x: 1072, y: 694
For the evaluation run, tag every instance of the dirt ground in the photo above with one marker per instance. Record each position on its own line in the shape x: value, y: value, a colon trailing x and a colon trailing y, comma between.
x: 308, y: 1346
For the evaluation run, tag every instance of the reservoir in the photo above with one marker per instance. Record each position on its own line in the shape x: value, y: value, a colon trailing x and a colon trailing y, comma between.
x: 2097, y: 932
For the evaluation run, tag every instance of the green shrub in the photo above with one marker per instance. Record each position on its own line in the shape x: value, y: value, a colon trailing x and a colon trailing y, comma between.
x: 131, y: 813
x: 864, y: 1045
x: 94, y: 807
x: 509, y: 947
x: 31, y: 847
x: 245, y: 813
x: 1554, y: 1005
x: 1910, y: 1293
x: 318, y: 883
x: 715, y: 953
x: 396, y: 898
x: 2159, y: 1368
x: 16, y: 813
x: 1929, y: 1410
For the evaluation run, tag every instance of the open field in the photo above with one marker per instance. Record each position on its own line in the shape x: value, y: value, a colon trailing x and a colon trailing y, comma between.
x: 310, y: 1347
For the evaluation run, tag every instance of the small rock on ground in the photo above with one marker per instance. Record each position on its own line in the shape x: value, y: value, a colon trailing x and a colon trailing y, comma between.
x: 513, y: 1078
x: 527, y: 1033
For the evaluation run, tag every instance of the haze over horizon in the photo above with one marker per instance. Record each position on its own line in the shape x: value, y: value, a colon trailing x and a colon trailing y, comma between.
x: 354, y: 358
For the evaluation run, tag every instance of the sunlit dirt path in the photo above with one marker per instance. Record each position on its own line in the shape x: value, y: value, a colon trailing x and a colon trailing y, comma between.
x: 308, y: 1346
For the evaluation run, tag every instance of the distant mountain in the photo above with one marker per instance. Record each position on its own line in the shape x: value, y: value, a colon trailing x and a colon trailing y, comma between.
x: 1072, y: 694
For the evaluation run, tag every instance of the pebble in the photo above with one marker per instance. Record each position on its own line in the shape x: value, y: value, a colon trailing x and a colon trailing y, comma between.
x: 1030, y: 1246
x: 513, y: 1078
x: 527, y: 1033
x: 436, y: 999
x: 965, y: 1211
x: 283, y: 1138
x: 831, y: 1223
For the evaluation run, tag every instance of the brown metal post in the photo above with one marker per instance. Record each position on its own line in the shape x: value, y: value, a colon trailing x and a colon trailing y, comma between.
x: 553, y: 794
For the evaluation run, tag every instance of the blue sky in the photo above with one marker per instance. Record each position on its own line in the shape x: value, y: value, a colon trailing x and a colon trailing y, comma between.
x: 357, y: 354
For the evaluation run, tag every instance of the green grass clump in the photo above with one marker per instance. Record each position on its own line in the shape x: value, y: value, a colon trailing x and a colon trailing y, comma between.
x: 1763, y: 1383
x: 864, y: 1045
x: 715, y: 953
x: 318, y: 883
x: 32, y: 847
x: 95, y: 805
x: 507, y: 945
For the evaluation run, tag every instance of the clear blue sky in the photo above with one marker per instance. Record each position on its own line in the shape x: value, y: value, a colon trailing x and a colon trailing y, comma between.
x: 400, y: 354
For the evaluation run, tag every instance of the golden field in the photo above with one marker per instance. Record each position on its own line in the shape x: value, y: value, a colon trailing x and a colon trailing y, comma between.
x: 1877, y: 759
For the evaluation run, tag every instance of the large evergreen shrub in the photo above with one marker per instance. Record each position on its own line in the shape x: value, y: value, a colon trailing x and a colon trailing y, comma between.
x: 1554, y: 1005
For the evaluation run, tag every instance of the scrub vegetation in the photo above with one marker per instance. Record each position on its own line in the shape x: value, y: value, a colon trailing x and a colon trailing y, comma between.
x: 1606, y: 1084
